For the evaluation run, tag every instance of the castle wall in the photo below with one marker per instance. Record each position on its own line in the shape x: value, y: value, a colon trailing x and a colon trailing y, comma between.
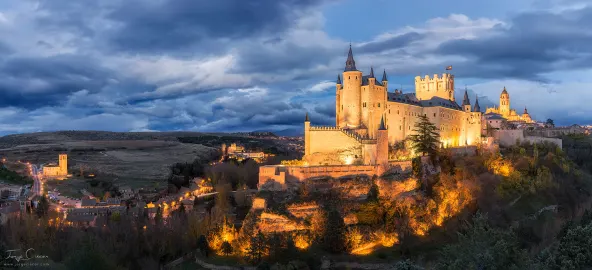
x: 401, y: 119
x: 332, y: 144
x: 456, y: 127
x: 280, y: 175
x: 511, y: 137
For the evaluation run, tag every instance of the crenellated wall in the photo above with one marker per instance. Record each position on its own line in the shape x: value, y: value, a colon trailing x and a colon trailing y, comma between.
x: 438, y: 86
x: 280, y: 175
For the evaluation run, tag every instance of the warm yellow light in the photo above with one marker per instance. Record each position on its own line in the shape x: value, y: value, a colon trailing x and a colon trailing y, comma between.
x: 349, y: 160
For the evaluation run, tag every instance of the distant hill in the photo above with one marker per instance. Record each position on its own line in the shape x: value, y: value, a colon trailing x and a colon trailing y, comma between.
x: 290, y: 132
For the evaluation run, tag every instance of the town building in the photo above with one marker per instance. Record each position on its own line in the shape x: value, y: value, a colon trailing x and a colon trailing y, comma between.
x: 58, y: 170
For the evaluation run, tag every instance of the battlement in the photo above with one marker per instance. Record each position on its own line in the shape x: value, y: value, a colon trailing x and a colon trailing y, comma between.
x: 350, y: 133
x: 436, y: 77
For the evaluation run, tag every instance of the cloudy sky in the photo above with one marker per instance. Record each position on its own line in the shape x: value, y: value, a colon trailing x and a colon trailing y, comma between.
x: 230, y: 65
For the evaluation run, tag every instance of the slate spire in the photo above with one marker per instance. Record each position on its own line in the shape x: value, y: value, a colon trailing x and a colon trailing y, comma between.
x: 338, y: 79
x: 382, y: 126
x: 350, y: 64
x: 371, y: 72
x: 384, y: 79
x: 306, y: 118
x: 476, y: 108
x: 466, y: 99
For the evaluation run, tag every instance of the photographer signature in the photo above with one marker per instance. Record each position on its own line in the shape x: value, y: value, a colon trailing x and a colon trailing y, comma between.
x: 19, y: 256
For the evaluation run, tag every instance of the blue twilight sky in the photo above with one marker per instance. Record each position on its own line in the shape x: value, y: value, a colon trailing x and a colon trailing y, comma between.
x: 230, y: 65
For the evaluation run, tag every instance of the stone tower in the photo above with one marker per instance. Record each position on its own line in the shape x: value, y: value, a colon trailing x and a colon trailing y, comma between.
x: 63, y: 164
x: 504, y: 107
x: 306, y: 135
x: 382, y: 146
x: 338, y: 87
x: 350, y: 111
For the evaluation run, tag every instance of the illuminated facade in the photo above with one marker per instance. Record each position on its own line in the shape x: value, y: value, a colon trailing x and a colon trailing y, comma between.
x: 59, y: 170
x: 368, y: 118
x: 508, y: 113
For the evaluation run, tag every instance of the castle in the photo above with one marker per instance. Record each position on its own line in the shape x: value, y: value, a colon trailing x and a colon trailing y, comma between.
x: 504, y: 111
x: 369, y: 118
x: 59, y: 170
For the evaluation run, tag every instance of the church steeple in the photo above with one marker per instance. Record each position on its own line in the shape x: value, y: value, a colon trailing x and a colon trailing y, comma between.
x: 476, y: 108
x: 350, y: 64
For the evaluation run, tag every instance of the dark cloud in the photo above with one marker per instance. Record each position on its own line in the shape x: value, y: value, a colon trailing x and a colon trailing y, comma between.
x: 282, y: 57
x: 532, y: 44
x: 395, y: 42
x: 172, y: 25
x: 36, y: 81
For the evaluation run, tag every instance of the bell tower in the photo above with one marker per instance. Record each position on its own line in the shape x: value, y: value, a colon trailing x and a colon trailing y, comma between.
x: 504, y: 105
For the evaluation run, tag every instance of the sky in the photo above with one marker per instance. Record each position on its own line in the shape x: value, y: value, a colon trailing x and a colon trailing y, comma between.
x: 229, y: 65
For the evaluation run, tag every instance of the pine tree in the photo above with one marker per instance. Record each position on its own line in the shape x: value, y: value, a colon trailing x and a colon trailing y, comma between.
x: 334, y: 236
x: 158, y: 215
x: 202, y: 244
x: 256, y: 248
x: 42, y: 207
x: 425, y: 139
x: 226, y: 248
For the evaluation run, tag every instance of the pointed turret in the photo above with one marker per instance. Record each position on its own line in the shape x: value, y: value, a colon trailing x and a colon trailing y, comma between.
x: 384, y: 79
x: 382, y: 126
x: 466, y: 99
x: 476, y: 108
x: 525, y: 111
x: 350, y: 64
x: 371, y: 72
x: 306, y: 118
x: 338, y: 79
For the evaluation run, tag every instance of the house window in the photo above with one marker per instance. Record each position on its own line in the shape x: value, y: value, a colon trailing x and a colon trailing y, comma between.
x: 434, y: 114
x: 378, y: 105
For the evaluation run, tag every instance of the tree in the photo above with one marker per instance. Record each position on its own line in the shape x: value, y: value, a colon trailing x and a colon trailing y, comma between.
x: 256, y: 248
x: 42, y: 207
x: 549, y: 123
x: 425, y: 139
x: 202, y: 245
x: 373, y: 193
x: 226, y: 248
x: 484, y: 247
x: 158, y: 215
x: 334, y: 236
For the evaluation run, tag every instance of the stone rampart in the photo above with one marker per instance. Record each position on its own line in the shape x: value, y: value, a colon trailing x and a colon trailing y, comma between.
x: 276, y: 176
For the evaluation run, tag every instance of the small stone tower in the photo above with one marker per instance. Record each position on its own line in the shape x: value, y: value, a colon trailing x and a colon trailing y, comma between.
x: 338, y: 87
x: 384, y: 80
x: 504, y: 105
x: 382, y: 146
x: 306, y: 135
x: 466, y: 104
x: 63, y: 164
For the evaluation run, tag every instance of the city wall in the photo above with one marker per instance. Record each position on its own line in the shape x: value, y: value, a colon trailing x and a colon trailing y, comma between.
x: 511, y: 137
x: 279, y: 175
